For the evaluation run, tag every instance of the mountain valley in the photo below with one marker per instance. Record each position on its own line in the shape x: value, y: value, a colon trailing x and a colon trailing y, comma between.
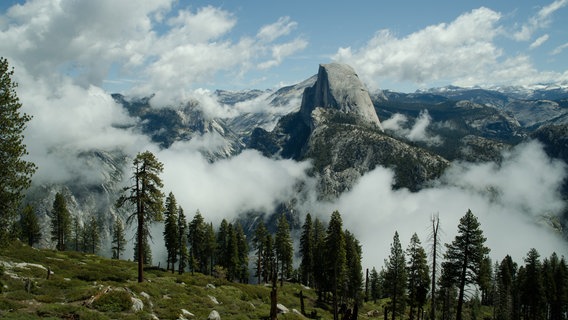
x: 334, y: 123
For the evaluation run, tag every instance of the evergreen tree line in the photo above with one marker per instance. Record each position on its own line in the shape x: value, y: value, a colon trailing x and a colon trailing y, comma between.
x: 195, y: 246
x: 331, y: 263
x: 537, y: 290
x: 66, y: 231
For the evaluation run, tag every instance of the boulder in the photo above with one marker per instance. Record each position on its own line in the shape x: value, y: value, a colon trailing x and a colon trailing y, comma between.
x: 214, y: 315
x: 213, y: 299
x: 185, y: 315
x: 137, y: 304
x: 281, y: 308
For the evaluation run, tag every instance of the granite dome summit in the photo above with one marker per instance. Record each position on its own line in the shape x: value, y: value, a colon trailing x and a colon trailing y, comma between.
x: 339, y: 87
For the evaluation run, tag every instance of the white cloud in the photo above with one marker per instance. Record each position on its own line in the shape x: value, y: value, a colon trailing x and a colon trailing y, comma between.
x: 541, y: 20
x: 282, y: 27
x: 80, y: 38
x: 206, y: 24
x: 228, y: 187
x: 539, y: 41
x: 398, y: 123
x: 281, y: 51
x: 437, y: 52
x: 67, y: 121
x: 464, y: 52
x: 559, y: 49
x: 168, y: 52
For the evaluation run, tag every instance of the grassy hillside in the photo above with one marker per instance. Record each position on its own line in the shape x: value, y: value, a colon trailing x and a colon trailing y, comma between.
x: 84, y: 286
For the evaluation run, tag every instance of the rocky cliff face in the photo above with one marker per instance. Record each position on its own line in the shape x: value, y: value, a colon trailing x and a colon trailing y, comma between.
x: 338, y: 87
x: 338, y: 129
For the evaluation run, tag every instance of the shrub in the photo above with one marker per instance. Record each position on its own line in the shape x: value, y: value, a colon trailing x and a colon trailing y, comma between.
x: 113, y: 301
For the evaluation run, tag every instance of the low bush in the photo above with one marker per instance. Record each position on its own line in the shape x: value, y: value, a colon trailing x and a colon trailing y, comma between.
x: 113, y: 301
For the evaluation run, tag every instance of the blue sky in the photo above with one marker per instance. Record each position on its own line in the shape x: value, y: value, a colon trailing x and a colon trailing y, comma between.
x: 180, y: 46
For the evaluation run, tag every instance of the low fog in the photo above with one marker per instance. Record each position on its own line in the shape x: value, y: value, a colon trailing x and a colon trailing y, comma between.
x: 514, y: 201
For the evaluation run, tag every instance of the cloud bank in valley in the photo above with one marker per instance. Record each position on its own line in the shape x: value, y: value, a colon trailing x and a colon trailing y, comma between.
x: 418, y: 132
x: 513, y: 201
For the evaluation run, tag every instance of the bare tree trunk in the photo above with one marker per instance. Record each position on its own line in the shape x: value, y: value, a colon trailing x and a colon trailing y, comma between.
x: 435, y: 226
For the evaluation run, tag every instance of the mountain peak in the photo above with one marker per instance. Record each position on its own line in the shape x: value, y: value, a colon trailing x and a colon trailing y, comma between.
x: 339, y: 87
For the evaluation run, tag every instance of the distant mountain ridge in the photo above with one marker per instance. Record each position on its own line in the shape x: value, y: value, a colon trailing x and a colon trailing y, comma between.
x: 333, y: 121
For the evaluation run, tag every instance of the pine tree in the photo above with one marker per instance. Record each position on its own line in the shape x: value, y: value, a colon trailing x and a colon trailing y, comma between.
x: 505, y: 289
x: 284, y: 248
x: 418, y: 276
x: 232, y: 253
x: 375, y: 285
x: 182, y: 241
x: 258, y: 243
x: 16, y: 172
x: 307, y: 252
x: 465, y: 255
x: 118, y: 239
x: 222, y: 244
x: 242, y: 249
x: 77, y: 234
x: 29, y: 226
x: 146, y: 195
x: 485, y: 281
x: 210, y: 247
x: 269, y: 269
x: 353, y: 253
x: 60, y: 222
x: 171, y: 232
x: 92, y: 236
x: 532, y: 296
x: 559, y: 301
x: 319, y: 269
x: 447, y: 291
x: 335, y: 258
x: 197, y: 239
x: 395, y: 277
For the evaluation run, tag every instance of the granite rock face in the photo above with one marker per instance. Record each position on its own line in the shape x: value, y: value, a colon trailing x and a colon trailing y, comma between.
x: 338, y: 129
x: 338, y: 87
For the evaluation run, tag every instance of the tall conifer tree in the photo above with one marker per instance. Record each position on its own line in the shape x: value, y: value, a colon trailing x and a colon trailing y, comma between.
x: 395, y: 277
x: 171, y: 232
x: 197, y: 241
x: 259, y: 244
x: 418, y: 276
x: 307, y: 252
x: 354, y: 272
x: 29, y: 225
x: 532, y: 296
x: 319, y: 269
x: 335, y: 258
x: 182, y: 241
x: 147, y: 197
x: 242, y: 273
x: 284, y: 248
x: 465, y: 255
x: 15, y: 172
x: 60, y: 222
x: 118, y: 239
